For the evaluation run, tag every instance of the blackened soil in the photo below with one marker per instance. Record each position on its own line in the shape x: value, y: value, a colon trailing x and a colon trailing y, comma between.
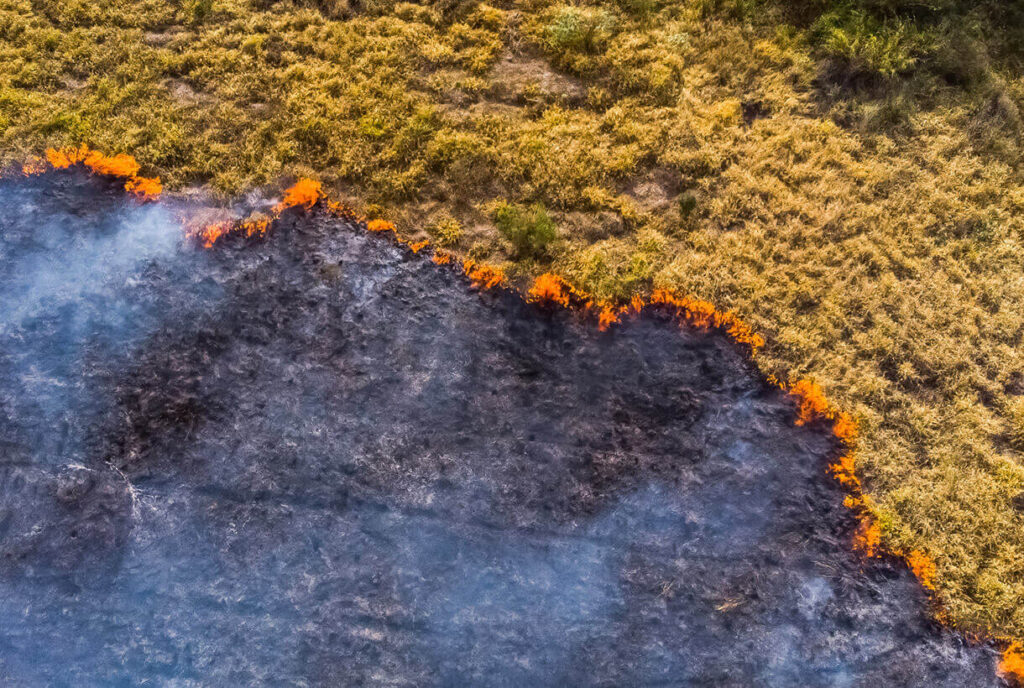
x: 319, y: 460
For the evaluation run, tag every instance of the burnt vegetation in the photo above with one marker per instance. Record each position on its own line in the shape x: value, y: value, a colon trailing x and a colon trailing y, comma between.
x: 382, y: 474
x: 846, y: 176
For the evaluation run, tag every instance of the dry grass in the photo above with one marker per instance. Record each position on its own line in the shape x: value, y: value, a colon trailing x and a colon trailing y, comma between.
x: 863, y: 213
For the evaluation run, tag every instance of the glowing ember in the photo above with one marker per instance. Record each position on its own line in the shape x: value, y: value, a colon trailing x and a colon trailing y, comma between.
x: 35, y: 165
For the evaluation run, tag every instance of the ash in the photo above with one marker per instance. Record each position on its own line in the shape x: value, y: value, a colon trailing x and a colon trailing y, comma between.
x: 319, y: 460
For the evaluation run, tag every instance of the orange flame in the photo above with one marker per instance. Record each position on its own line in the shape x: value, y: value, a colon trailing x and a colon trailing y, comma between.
x: 144, y: 187
x: 482, y: 275
x: 120, y: 166
x: 550, y: 289
x: 703, y: 314
x: 607, y: 317
x: 304, y: 193
x: 380, y: 226
x: 209, y: 234
x: 1011, y: 664
x: 812, y: 404
x: 868, y: 538
x: 923, y: 567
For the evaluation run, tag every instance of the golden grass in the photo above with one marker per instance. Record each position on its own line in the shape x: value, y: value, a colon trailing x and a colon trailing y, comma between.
x: 875, y: 237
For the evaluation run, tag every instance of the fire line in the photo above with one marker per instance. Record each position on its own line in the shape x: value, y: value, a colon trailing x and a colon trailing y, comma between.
x: 551, y: 291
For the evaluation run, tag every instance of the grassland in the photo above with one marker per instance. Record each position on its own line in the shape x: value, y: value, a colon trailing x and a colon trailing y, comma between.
x: 847, y: 178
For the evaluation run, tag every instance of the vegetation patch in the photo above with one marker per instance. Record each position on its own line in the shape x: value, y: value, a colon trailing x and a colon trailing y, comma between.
x: 529, y: 230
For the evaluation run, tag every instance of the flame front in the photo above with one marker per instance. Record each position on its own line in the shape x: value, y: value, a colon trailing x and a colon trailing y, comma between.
x: 380, y: 226
x: 552, y: 290
x: 120, y: 166
x: 304, y: 193
x: 482, y: 275
x: 1011, y: 665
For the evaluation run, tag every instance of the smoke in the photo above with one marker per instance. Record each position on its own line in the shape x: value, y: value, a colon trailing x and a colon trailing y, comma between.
x: 70, y: 281
x: 343, y: 466
x: 81, y: 267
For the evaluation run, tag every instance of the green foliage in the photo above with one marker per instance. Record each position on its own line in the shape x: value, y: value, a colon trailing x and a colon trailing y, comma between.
x: 529, y: 230
x: 196, y: 11
x: 687, y: 204
x: 579, y: 29
x: 870, y: 46
x: 614, y: 269
x: 446, y: 231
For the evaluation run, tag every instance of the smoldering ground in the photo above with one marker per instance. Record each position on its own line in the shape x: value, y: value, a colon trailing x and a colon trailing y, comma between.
x: 317, y: 459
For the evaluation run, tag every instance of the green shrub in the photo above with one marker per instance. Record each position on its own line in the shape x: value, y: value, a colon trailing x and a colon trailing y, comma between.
x: 529, y: 230
x: 196, y: 11
x: 446, y: 231
x: 868, y: 45
x: 577, y: 29
x: 687, y: 204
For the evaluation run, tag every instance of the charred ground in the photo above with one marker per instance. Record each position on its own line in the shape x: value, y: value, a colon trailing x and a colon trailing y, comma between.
x: 319, y: 459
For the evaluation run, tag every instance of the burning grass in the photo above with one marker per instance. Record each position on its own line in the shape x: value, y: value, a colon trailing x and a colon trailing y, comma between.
x: 119, y: 166
x: 321, y: 339
x: 869, y: 227
x: 550, y: 290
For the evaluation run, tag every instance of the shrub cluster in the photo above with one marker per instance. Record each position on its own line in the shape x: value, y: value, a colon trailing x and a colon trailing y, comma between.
x: 530, y: 230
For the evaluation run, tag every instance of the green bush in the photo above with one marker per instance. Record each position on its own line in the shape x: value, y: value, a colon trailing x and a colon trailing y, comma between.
x: 868, y: 45
x: 446, y: 231
x: 576, y: 29
x: 196, y: 11
x: 687, y: 204
x: 529, y: 230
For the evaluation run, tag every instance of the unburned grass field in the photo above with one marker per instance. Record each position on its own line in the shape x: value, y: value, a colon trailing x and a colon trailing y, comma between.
x: 847, y: 180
